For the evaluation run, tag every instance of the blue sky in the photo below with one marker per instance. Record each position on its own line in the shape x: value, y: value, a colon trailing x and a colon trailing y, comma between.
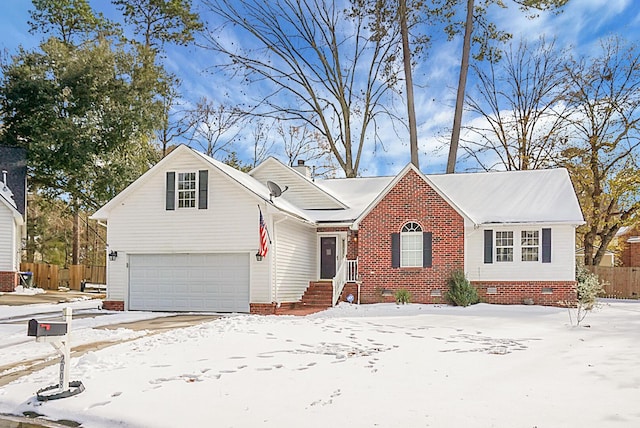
x: 580, y: 27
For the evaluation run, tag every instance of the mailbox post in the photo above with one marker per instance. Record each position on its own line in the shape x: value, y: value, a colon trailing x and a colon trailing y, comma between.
x: 58, y: 335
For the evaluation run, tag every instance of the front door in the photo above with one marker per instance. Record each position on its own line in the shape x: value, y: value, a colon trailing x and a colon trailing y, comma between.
x: 327, y: 257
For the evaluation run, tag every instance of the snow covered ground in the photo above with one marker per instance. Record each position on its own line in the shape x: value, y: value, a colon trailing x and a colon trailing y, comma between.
x: 352, y: 366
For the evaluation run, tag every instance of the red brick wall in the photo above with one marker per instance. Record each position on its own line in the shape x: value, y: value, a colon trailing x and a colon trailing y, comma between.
x: 352, y: 239
x: 262, y: 308
x: 631, y: 254
x: 8, y: 281
x: 412, y: 199
x: 113, y: 305
x: 515, y: 292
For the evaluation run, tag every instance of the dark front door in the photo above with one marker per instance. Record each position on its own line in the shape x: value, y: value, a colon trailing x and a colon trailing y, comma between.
x: 327, y: 257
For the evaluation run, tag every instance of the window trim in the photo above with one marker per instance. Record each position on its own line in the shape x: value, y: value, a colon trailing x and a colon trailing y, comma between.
x: 416, y: 233
x: 528, y: 246
x: 194, y: 191
x: 499, y: 256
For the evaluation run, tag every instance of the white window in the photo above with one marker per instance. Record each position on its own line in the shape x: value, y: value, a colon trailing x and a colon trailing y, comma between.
x: 504, y: 246
x: 187, y: 190
x: 529, y: 243
x: 411, y: 245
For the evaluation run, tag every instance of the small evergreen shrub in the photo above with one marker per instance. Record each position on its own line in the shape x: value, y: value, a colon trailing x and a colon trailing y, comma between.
x: 461, y: 292
x: 402, y: 296
x: 588, y: 286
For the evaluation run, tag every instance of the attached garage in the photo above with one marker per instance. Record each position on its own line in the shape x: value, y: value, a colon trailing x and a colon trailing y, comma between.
x: 189, y: 282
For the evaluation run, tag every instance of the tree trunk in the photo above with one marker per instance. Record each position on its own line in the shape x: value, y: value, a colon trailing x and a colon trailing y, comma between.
x: 411, y: 111
x: 462, y: 83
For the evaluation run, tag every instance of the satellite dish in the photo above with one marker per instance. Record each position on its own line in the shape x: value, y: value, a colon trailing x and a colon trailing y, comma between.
x: 275, y: 190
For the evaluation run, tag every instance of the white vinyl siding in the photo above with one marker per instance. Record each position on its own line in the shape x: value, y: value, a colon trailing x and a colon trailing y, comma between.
x: 142, y: 225
x: 561, y: 268
x: 296, y: 260
x: 301, y: 192
x: 7, y: 239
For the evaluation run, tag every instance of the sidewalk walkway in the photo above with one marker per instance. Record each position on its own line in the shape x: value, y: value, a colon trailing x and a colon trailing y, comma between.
x: 50, y: 296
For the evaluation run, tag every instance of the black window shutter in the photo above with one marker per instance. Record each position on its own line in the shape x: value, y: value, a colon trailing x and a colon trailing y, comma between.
x: 427, y: 252
x: 488, y: 246
x: 170, y: 196
x: 203, y: 186
x: 395, y: 250
x: 546, y: 245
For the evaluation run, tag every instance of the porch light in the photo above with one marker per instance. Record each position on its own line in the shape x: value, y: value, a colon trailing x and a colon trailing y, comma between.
x: 113, y: 255
x: 259, y: 257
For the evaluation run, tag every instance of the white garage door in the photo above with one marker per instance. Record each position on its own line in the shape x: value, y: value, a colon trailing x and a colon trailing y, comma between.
x: 189, y: 282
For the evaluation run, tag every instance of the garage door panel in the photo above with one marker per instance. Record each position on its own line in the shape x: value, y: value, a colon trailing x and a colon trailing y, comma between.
x: 189, y: 282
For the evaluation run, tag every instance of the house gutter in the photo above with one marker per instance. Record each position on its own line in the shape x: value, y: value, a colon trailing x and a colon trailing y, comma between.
x: 532, y: 223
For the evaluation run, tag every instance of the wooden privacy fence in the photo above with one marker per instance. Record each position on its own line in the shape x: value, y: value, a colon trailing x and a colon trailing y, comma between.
x: 621, y: 282
x: 51, y: 277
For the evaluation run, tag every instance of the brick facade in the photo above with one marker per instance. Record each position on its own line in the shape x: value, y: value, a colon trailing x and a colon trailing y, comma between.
x: 546, y: 293
x: 410, y: 200
x: 352, y: 239
x: 631, y: 254
x: 113, y: 305
x: 262, y: 308
x: 8, y: 281
x: 630, y: 251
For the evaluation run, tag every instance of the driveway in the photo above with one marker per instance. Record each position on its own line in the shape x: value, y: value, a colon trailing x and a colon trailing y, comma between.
x: 159, y: 324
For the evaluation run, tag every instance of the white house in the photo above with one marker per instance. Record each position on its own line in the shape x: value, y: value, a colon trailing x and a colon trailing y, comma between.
x: 11, y: 234
x: 186, y: 236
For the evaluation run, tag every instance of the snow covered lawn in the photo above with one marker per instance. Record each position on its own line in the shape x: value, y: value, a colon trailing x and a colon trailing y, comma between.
x: 361, y: 366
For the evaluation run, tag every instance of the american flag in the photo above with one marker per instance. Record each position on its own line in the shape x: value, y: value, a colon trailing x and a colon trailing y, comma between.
x: 263, y: 237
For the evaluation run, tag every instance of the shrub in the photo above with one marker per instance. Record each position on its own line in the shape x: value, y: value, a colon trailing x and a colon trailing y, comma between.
x: 461, y: 292
x: 402, y: 296
x: 588, y: 286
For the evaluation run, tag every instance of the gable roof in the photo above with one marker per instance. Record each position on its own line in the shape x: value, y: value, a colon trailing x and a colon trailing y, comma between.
x: 239, y: 177
x: 14, y: 161
x: 532, y: 196
x: 302, y: 191
x: 392, y: 183
x: 537, y: 196
x: 6, y: 198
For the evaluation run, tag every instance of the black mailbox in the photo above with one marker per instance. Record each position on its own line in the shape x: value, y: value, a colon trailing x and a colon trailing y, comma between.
x: 40, y: 329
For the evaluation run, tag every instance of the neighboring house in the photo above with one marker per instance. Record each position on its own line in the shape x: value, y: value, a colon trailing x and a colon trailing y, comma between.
x: 13, y: 190
x: 608, y: 259
x: 628, y: 240
x: 185, y: 236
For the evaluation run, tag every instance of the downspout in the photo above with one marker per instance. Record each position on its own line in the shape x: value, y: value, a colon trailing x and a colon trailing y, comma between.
x: 275, y: 261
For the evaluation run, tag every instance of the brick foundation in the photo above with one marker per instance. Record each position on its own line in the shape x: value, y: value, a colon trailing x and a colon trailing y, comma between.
x: 349, y: 288
x: 8, y: 281
x: 113, y: 305
x: 262, y: 308
x: 545, y: 293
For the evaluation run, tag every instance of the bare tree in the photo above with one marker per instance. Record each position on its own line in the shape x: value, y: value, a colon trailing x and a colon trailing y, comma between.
x: 489, y: 32
x: 462, y: 84
x: 325, y: 63
x: 261, y: 141
x: 605, y: 142
x: 408, y: 77
x: 521, y: 109
x: 301, y: 143
x: 214, y: 127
